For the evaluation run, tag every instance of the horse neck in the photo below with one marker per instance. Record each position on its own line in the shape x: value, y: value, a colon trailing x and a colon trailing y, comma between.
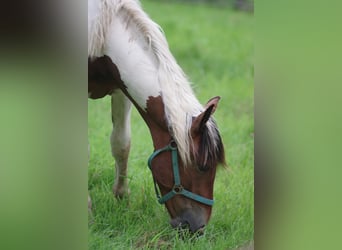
x: 154, y: 117
x: 147, y: 73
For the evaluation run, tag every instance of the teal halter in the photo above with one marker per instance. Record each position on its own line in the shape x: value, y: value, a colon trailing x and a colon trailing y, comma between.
x: 177, y: 187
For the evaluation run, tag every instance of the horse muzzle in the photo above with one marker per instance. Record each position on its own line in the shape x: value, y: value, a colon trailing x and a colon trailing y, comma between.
x: 189, y: 220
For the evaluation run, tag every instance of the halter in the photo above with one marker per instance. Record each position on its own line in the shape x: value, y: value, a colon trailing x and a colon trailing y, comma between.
x: 177, y: 187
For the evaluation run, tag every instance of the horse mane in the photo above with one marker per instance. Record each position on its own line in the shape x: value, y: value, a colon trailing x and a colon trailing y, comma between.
x: 180, y: 103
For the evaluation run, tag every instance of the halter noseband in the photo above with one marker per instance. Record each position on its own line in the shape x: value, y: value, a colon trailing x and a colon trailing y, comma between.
x: 177, y: 187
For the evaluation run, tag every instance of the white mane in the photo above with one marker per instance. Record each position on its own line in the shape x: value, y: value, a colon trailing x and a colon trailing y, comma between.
x: 180, y: 103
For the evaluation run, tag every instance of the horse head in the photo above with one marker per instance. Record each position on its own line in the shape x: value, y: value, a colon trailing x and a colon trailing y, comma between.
x: 186, y: 187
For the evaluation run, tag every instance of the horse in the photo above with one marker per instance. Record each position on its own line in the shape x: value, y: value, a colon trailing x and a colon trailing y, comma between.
x: 129, y: 59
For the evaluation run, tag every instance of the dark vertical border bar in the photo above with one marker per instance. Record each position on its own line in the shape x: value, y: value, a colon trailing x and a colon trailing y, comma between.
x: 43, y: 128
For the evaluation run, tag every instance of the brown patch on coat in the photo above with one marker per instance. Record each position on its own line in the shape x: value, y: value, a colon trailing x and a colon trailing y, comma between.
x: 156, y: 121
x: 103, y: 77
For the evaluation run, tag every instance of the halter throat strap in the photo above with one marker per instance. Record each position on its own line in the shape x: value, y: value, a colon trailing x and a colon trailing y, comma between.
x: 177, y: 188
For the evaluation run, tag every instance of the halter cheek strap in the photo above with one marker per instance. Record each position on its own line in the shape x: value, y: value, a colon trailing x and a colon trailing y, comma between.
x: 177, y: 189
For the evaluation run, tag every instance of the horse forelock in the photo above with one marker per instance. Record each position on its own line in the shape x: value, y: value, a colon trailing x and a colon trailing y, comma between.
x: 180, y: 103
x: 210, y: 150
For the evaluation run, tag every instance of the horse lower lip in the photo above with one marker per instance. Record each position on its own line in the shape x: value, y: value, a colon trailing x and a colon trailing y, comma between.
x: 200, y: 231
x: 180, y: 224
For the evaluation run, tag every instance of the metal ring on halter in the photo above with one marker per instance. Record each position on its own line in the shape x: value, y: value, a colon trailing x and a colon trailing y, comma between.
x: 177, y: 189
x: 173, y: 145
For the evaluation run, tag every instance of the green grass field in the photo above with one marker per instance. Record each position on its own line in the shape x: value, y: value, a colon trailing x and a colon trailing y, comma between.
x: 214, y: 46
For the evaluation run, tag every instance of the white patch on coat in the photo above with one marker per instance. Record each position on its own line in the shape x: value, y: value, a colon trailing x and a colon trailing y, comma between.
x: 130, y: 52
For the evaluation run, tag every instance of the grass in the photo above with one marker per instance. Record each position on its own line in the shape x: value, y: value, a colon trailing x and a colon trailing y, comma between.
x: 215, y: 48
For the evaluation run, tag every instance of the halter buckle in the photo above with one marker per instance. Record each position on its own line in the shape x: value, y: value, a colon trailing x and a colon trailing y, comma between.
x: 177, y: 189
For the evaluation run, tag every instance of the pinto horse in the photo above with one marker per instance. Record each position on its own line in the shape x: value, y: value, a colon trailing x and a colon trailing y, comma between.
x: 129, y: 59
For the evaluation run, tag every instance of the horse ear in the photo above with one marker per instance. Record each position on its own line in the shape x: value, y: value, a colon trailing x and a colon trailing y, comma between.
x: 199, y: 122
